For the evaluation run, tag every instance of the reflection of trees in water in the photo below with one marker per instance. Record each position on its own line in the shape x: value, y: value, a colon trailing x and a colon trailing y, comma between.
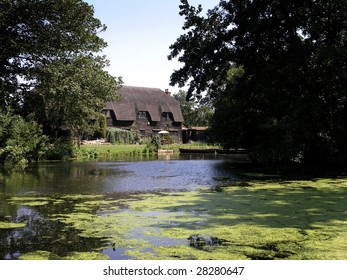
x: 44, y: 235
x: 59, y: 177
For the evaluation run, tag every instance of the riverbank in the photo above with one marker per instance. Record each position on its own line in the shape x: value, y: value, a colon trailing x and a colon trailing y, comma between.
x: 116, y: 150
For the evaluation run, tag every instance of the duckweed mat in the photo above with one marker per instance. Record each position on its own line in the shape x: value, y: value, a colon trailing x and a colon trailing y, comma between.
x: 258, y: 219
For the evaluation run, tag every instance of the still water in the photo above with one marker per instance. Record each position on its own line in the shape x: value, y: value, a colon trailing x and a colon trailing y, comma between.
x: 45, y: 211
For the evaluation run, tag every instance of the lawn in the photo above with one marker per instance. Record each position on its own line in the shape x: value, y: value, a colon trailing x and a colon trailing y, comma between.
x: 94, y: 151
x: 111, y: 150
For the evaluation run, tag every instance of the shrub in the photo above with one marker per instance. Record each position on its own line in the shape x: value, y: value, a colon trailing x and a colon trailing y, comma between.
x: 120, y: 136
x: 167, y: 139
x: 89, y: 153
x: 100, y: 131
x: 21, y: 141
x: 61, y: 148
x: 155, y: 142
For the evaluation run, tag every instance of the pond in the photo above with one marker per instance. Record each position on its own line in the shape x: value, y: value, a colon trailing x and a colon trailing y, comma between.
x: 182, y: 208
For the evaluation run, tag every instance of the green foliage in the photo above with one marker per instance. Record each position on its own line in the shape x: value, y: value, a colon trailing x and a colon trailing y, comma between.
x: 166, y: 139
x: 49, y: 69
x: 100, y: 131
x: 61, y: 148
x: 150, y: 149
x: 103, y: 125
x: 20, y: 141
x: 276, y: 74
x: 202, y: 116
x: 154, y: 145
x: 88, y: 153
x: 119, y: 136
x: 38, y: 33
x: 71, y: 93
x: 194, y: 114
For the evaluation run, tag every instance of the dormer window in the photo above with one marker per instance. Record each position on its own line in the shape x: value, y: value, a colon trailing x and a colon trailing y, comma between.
x: 166, y: 116
x: 142, y: 115
x: 107, y: 113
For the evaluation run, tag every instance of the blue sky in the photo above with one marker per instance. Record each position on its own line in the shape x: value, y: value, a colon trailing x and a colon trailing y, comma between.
x: 139, y: 33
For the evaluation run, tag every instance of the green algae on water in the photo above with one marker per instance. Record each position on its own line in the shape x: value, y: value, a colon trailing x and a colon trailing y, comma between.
x: 46, y: 255
x: 269, y: 219
x: 81, y: 196
x: 86, y: 256
x: 30, y: 201
x: 90, y: 205
x: 9, y: 225
x: 116, y: 228
x: 39, y: 255
x: 263, y: 219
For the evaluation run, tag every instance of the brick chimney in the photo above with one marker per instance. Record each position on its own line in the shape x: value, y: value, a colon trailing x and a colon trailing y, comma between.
x: 167, y: 91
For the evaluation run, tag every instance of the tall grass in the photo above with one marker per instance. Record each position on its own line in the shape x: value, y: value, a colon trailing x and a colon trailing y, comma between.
x: 96, y: 151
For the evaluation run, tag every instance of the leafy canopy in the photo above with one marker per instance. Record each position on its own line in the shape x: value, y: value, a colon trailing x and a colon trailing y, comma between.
x: 20, y: 140
x: 70, y: 94
x: 36, y: 33
x: 50, y: 70
x: 276, y: 73
x: 48, y: 59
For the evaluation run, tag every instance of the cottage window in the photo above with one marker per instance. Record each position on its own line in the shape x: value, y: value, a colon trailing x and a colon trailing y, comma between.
x: 142, y: 115
x: 107, y: 113
x: 165, y: 115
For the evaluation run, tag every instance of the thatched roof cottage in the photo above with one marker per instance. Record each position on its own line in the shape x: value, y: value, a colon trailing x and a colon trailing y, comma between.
x: 146, y: 110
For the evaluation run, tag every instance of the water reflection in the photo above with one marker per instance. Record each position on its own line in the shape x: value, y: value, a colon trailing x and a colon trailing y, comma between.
x: 41, y: 234
x: 106, y: 177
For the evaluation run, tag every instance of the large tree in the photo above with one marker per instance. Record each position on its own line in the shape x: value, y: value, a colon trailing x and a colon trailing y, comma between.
x: 52, y: 79
x: 276, y: 72
x: 70, y: 94
x: 48, y: 50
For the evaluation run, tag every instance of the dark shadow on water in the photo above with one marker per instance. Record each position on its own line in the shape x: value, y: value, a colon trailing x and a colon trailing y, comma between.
x: 301, y: 206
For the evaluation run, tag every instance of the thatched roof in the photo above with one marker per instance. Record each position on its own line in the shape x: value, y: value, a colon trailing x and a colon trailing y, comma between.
x: 152, y: 100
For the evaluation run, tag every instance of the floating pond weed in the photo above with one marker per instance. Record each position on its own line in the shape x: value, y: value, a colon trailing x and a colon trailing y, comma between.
x: 45, y: 255
x: 261, y: 219
x: 86, y: 256
x: 39, y: 255
x: 30, y: 201
x: 9, y: 225
x: 264, y: 220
